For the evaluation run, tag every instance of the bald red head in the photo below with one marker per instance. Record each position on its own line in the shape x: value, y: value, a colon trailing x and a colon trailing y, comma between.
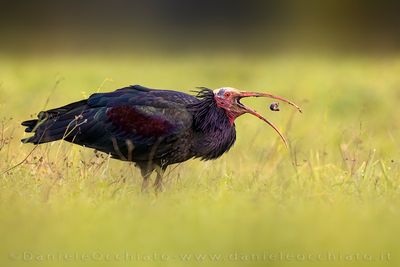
x: 228, y: 98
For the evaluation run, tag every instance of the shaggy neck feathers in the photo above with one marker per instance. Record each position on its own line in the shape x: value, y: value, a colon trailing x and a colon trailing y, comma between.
x: 207, y: 115
x: 213, y: 125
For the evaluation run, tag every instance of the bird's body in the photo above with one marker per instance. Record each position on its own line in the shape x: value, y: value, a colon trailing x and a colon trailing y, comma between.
x: 153, y: 128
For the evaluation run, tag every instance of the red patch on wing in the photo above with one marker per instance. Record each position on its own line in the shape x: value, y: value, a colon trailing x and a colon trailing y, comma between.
x: 132, y: 120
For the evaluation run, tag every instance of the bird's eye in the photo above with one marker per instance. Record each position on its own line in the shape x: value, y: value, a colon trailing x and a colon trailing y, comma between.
x: 227, y: 94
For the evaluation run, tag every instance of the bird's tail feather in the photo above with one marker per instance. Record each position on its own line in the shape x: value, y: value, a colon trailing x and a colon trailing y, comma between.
x: 30, y: 125
x: 54, y: 124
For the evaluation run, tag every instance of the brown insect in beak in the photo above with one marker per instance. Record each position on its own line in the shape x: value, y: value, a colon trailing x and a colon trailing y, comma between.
x: 275, y: 108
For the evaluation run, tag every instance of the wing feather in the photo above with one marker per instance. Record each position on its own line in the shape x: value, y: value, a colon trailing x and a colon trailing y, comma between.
x: 144, y: 118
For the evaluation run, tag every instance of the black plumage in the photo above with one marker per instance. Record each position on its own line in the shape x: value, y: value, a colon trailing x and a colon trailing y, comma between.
x: 153, y: 128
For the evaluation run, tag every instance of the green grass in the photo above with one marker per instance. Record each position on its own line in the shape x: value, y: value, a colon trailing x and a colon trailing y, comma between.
x: 333, y: 198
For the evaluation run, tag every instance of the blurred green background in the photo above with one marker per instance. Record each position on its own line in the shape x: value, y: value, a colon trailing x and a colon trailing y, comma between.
x: 331, y: 199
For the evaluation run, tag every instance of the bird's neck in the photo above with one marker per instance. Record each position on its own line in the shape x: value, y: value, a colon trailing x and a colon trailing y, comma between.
x: 208, y: 117
x: 214, y: 131
x: 231, y: 116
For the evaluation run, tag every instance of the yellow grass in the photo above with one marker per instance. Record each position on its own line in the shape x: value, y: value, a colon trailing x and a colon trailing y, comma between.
x: 331, y: 200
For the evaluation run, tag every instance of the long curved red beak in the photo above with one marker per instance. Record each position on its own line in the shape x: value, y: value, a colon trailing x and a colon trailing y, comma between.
x: 255, y: 113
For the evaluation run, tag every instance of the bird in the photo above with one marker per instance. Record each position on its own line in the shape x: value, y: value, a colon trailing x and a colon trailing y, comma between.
x: 153, y: 128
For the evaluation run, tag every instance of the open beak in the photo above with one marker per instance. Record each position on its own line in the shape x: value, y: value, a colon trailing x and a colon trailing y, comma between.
x: 255, y: 113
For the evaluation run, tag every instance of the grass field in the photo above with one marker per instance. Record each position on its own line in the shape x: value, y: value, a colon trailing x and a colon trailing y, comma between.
x: 333, y: 199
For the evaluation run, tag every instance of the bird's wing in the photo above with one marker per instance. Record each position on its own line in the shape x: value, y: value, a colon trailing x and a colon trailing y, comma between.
x: 142, y: 118
x: 143, y: 112
x: 132, y: 116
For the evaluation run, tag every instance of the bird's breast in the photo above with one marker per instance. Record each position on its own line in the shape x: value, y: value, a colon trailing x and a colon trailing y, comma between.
x: 211, y: 145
